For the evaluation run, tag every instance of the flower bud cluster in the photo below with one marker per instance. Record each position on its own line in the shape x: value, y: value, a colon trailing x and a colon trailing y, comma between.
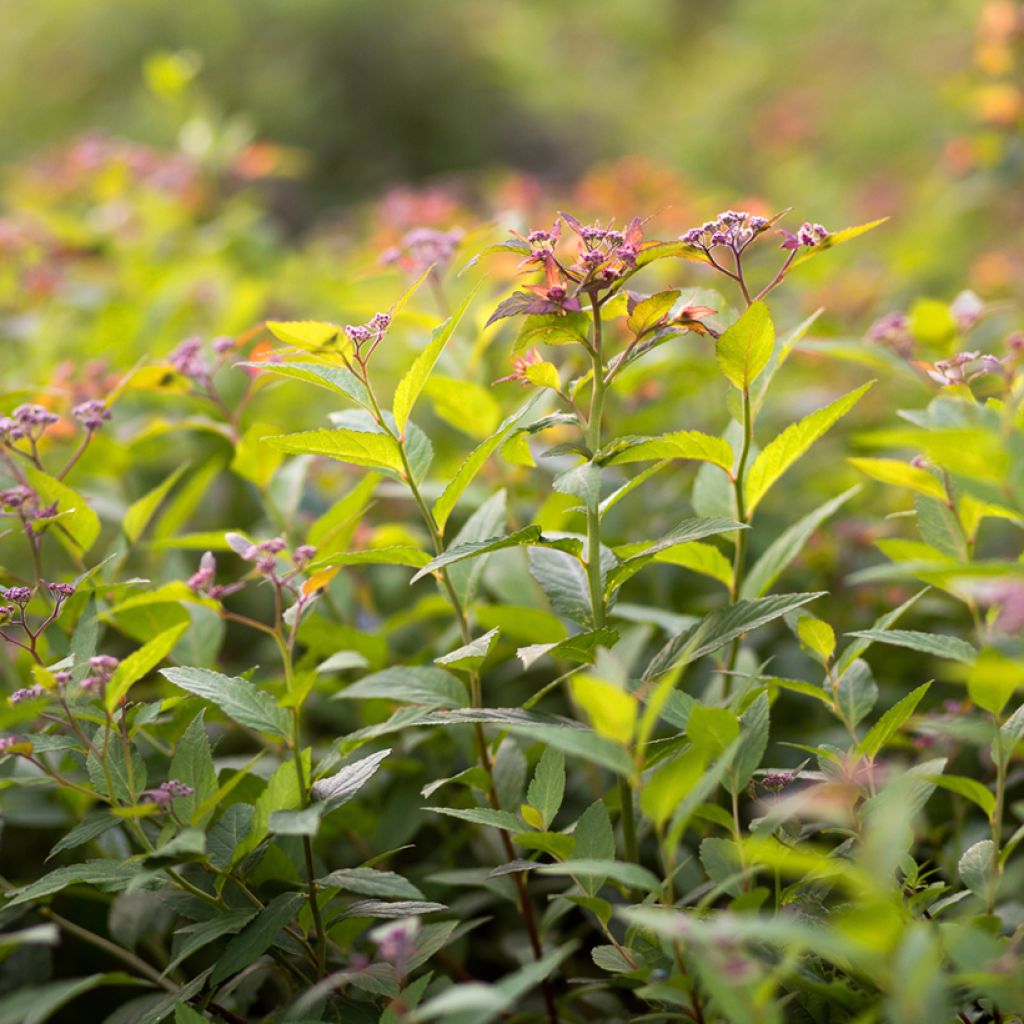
x: 166, y: 793
x: 734, y: 229
x: 422, y: 248
x: 102, y: 668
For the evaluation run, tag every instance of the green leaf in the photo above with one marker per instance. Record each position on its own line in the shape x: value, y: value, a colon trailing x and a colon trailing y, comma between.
x: 35, y: 1004
x: 744, y: 349
x: 564, y: 582
x: 969, y: 788
x: 370, y: 882
x: 257, y: 937
x: 889, y: 724
x: 91, y: 827
x: 611, y: 710
x: 342, y: 786
x: 472, y: 655
x: 793, y: 442
x: 192, y: 764
x: 334, y: 378
x: 410, y: 386
x: 460, y: 552
x: 705, y: 559
x: 859, y: 646
x: 714, y: 631
x: 239, y: 699
x: 683, y: 444
x: 360, y: 447
x: 754, y: 729
x: 547, y: 787
x: 856, y: 693
x: 553, y: 329
x: 837, y: 238
x: 582, y: 647
x: 975, y: 867
x: 580, y: 743
x: 196, y: 936
x: 649, y: 312
x: 310, y: 335
x: 940, y: 645
x: 939, y: 526
x: 482, y: 816
x: 394, y: 554
x: 106, y: 875
x: 767, y: 569
x: 901, y: 474
x: 139, y: 513
x: 140, y: 662
x: 468, y: 470
x: 993, y: 679
x: 631, y: 875
x: 77, y: 520
x: 583, y: 482
x: 670, y: 783
x: 595, y: 840
x: 411, y: 684
x: 489, y: 520
x: 818, y: 636
x: 712, y: 730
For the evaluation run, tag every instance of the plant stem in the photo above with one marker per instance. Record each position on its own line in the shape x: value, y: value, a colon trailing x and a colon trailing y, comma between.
x: 739, y: 556
x: 595, y: 576
x: 476, y: 694
x: 997, y: 813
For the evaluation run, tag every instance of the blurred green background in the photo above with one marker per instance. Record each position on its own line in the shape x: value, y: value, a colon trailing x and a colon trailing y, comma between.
x: 840, y: 107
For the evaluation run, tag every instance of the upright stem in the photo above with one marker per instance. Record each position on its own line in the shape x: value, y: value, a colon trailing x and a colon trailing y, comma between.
x: 595, y: 577
x: 300, y: 774
x: 997, y: 812
x: 740, y: 554
x: 476, y: 696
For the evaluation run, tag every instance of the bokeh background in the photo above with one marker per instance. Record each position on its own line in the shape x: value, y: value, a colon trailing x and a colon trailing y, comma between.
x: 845, y: 111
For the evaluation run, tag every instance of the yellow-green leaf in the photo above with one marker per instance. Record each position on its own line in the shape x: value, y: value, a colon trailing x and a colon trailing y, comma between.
x: 785, y: 449
x: 410, y: 386
x: 818, y: 636
x: 901, y: 474
x: 544, y: 375
x: 77, y: 520
x: 683, y: 444
x: 140, y: 512
x: 360, y: 447
x: 137, y: 664
x: 612, y: 711
x: 838, y: 238
x: 744, y: 349
x: 703, y: 558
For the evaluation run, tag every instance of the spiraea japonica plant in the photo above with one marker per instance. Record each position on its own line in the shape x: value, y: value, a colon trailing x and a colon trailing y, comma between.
x: 534, y: 726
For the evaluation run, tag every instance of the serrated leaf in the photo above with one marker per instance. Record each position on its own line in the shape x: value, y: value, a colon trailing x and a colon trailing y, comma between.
x: 938, y: 644
x: 817, y: 636
x: 482, y: 816
x: 343, y: 785
x: 631, y: 875
x: 901, y: 474
x: 370, y: 882
x: 196, y: 936
x: 106, y: 875
x: 547, y: 787
x: 359, y: 447
x: 784, y: 450
x: 564, y: 582
x: 683, y: 444
x: 714, y: 631
x: 767, y: 569
x: 975, y: 867
x: 460, y: 552
x: 856, y: 692
x: 239, y: 699
x: 413, y: 684
x: 553, y: 329
x: 611, y: 711
x: 649, y: 312
x: 333, y: 378
x: 472, y: 655
x: 744, y: 349
x: 837, y: 238
x: 889, y: 724
x: 972, y: 789
x: 581, y: 647
x: 257, y: 937
x: 77, y: 519
x: 140, y: 662
x: 468, y: 470
x: 192, y: 764
x: 310, y: 335
x: 411, y: 384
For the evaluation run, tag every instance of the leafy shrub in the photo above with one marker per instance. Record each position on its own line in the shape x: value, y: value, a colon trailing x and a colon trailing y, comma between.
x: 346, y: 687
